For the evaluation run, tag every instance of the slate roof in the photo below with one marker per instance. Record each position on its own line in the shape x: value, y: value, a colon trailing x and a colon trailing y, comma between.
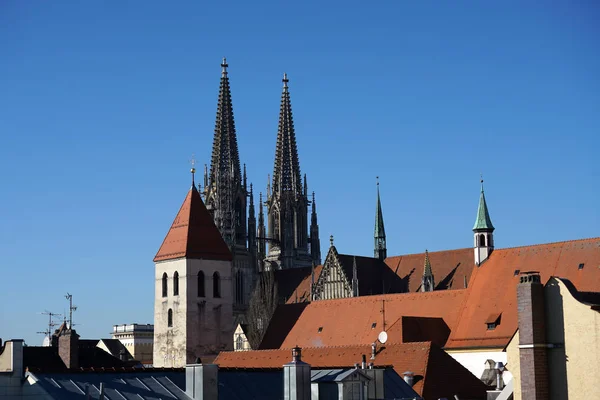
x: 46, y: 359
x: 437, y: 374
x: 150, y: 384
x: 450, y: 267
x: 193, y: 234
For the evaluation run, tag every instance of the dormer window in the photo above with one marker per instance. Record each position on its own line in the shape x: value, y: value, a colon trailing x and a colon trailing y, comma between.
x: 493, y: 321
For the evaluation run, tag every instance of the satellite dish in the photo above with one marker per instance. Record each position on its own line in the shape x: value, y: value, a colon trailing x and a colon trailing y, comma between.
x: 382, y: 337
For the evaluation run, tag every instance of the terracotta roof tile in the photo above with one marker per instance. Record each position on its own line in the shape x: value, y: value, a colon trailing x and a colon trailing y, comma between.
x: 493, y: 286
x: 424, y: 359
x: 350, y: 321
x: 450, y: 267
x: 193, y: 234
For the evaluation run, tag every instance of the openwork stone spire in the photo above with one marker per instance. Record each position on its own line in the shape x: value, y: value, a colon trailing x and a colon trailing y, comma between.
x: 286, y: 172
x: 225, y: 194
x: 287, y: 200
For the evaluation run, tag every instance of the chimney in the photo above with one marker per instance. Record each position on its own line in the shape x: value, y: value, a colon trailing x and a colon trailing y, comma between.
x: 296, y: 378
x: 408, y: 378
x: 532, y: 337
x: 68, y: 348
x: 363, y: 365
x: 202, y: 381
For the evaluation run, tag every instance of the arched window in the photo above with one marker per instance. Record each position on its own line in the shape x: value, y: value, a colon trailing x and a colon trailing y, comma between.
x: 164, y: 285
x: 239, y: 343
x: 216, y: 285
x: 482, y: 240
x: 176, y: 284
x: 200, y: 284
x: 170, y: 318
x: 239, y: 287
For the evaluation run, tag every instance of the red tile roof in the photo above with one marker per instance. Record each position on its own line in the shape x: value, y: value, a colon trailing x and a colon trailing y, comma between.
x: 193, y: 234
x: 450, y: 267
x: 350, y: 321
x: 493, y: 287
x: 436, y: 373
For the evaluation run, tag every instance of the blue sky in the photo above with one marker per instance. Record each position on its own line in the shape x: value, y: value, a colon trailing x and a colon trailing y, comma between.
x: 103, y: 103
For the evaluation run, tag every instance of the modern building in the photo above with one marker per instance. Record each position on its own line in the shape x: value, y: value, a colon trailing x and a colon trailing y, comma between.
x: 138, y: 339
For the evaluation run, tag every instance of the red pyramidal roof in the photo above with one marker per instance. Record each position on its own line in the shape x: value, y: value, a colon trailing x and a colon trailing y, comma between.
x: 193, y: 234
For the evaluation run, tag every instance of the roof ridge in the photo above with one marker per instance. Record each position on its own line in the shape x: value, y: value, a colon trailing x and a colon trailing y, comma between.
x: 431, y: 252
x: 550, y: 243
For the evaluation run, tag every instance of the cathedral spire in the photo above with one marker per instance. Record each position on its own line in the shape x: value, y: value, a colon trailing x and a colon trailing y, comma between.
x: 287, y: 202
x: 225, y: 193
x: 380, y: 250
x: 286, y: 172
x: 251, y: 224
x: 261, y: 231
x: 427, y: 281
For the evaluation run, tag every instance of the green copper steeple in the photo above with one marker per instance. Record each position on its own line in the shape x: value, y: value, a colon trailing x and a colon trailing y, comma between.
x: 483, y: 221
x: 380, y: 247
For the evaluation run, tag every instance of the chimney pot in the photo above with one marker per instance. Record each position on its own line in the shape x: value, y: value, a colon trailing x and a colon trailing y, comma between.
x: 296, y: 354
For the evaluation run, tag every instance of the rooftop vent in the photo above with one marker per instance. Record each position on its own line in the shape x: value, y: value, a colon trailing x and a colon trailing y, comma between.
x: 320, y: 329
x: 373, y: 325
x: 517, y: 272
x: 581, y: 266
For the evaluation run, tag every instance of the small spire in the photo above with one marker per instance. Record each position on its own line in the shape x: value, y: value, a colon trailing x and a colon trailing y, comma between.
x: 305, y: 187
x: 483, y: 221
x: 331, y: 240
x: 427, y: 271
x: 224, y: 67
x: 193, y: 170
x: 245, y: 179
x: 285, y: 80
x: 314, y: 204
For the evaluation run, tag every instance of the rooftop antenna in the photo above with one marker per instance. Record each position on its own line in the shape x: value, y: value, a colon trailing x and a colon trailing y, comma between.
x: 51, y: 324
x: 72, y: 308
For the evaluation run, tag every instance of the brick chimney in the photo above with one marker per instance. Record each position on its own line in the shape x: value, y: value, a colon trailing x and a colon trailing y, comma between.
x: 296, y: 378
x: 68, y: 348
x: 532, y: 337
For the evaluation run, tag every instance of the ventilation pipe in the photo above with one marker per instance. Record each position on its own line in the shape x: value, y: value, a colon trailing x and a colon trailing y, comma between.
x: 364, y: 362
x: 409, y: 378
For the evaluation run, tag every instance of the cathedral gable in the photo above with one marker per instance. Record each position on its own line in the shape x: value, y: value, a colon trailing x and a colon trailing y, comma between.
x: 333, y: 282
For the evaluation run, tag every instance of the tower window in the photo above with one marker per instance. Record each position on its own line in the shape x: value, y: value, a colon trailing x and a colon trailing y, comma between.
x: 176, y: 284
x: 164, y: 285
x: 216, y: 285
x: 170, y: 318
x: 200, y: 284
x: 239, y: 343
x: 482, y: 240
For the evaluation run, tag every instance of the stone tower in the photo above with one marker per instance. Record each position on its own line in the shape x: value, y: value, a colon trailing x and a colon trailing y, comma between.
x: 287, y: 204
x: 427, y: 281
x: 225, y: 193
x: 193, y: 306
x: 380, y: 250
x: 483, y: 231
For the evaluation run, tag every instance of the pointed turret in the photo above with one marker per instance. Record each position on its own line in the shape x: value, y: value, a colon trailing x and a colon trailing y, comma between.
x: 315, y: 243
x: 427, y: 281
x: 225, y: 193
x: 354, y: 278
x: 483, y: 231
x: 380, y: 245
x: 261, y: 232
x: 287, y: 202
x: 251, y: 224
x: 193, y: 234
